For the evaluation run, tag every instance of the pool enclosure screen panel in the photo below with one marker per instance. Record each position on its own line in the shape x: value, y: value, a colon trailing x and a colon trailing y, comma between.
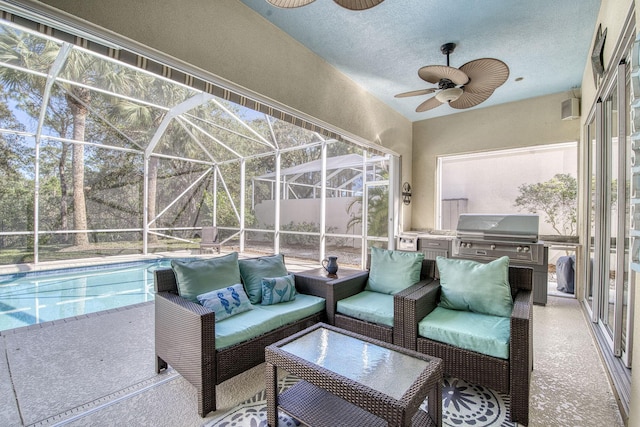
x: 109, y: 152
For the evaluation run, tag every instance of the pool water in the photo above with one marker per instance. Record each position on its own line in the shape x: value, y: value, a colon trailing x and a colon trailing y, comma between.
x: 30, y: 298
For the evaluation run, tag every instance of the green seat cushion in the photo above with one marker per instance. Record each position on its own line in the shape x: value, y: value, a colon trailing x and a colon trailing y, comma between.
x: 265, y: 318
x: 369, y: 306
x: 291, y: 311
x: 245, y: 326
x: 474, y: 286
x: 200, y: 276
x: 477, y: 332
x: 393, y: 271
x: 253, y: 270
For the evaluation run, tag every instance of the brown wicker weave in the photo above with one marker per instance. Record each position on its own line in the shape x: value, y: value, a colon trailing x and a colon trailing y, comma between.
x: 326, y: 398
x: 511, y: 376
x: 185, y: 339
x: 343, y: 287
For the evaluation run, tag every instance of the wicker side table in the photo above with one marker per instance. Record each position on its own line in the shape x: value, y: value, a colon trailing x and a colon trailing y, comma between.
x: 349, y: 379
x: 331, y: 287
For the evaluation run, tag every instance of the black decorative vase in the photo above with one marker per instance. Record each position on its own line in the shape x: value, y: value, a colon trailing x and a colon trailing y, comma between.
x: 330, y: 264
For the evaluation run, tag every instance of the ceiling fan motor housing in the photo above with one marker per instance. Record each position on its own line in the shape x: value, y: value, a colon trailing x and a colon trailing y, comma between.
x: 446, y: 84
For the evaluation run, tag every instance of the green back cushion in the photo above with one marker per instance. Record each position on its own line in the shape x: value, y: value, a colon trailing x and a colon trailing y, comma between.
x: 203, y: 275
x: 473, y: 286
x: 253, y: 270
x: 393, y: 271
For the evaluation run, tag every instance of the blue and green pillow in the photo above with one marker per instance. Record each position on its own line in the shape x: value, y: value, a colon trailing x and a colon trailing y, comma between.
x: 278, y: 289
x: 226, y: 302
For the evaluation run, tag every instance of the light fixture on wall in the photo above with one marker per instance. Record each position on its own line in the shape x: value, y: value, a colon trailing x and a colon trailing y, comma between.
x: 347, y: 4
x: 406, y: 193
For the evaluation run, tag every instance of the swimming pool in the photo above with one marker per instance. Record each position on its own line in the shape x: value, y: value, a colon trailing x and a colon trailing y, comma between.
x: 43, y: 296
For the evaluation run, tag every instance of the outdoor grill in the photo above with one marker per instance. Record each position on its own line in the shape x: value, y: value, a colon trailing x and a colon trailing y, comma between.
x: 485, y: 237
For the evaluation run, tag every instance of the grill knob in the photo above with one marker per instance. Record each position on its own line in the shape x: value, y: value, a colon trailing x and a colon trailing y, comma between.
x: 526, y: 249
x: 493, y: 247
x: 519, y: 249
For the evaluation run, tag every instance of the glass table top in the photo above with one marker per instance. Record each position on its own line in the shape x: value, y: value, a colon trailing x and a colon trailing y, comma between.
x: 382, y: 369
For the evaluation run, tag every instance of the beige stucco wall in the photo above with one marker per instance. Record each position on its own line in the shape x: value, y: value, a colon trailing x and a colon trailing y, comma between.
x: 230, y: 41
x: 536, y: 121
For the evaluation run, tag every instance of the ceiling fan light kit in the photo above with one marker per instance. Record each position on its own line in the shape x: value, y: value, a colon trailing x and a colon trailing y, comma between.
x: 347, y: 4
x: 460, y: 88
x: 448, y: 95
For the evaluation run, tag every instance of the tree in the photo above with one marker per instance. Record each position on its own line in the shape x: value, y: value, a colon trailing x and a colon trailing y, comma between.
x: 557, y: 198
x: 81, y: 71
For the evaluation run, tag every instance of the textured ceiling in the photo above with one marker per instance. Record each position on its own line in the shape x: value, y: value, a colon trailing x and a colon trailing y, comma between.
x: 545, y: 43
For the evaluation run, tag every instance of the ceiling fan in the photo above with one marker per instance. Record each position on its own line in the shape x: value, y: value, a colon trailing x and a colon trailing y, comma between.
x: 464, y: 87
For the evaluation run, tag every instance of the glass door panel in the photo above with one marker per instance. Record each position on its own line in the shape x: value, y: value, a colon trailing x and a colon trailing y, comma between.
x: 628, y: 274
x: 591, y: 219
x: 610, y: 155
x: 607, y: 308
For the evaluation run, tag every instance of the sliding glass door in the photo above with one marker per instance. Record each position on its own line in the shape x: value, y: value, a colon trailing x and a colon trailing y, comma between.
x: 607, y: 272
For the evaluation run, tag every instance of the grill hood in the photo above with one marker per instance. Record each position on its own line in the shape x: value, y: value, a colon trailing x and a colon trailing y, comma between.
x: 507, y: 227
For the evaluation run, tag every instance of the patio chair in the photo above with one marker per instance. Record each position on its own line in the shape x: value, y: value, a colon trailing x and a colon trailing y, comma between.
x: 371, y: 304
x: 510, y: 375
x: 209, y: 241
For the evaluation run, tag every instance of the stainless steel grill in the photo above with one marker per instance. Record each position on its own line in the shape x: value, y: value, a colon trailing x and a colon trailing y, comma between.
x: 483, y: 237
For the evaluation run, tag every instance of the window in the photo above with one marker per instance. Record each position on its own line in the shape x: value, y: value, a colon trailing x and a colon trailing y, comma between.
x: 541, y: 180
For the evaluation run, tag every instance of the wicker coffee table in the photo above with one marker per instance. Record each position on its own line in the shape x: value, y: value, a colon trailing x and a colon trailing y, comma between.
x: 351, y: 380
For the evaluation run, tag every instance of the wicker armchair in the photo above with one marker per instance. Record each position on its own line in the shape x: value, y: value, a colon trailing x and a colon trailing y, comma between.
x: 339, y: 289
x: 512, y: 376
x: 185, y: 339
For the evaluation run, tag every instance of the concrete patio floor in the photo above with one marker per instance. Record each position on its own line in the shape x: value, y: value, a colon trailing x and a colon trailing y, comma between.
x: 99, y: 370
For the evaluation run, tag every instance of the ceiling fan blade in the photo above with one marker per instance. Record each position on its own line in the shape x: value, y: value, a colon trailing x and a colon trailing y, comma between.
x: 485, y: 74
x: 416, y: 93
x: 428, y: 105
x: 358, y: 4
x: 434, y: 73
x: 290, y: 3
x: 468, y: 99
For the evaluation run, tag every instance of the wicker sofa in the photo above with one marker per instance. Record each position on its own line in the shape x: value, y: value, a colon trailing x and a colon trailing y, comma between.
x: 511, y: 375
x: 185, y: 336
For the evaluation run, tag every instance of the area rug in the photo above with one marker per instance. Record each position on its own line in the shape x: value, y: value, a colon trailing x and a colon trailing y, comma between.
x: 463, y: 405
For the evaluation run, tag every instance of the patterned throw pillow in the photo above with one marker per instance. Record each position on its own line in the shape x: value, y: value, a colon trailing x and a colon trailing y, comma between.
x: 226, y: 302
x: 278, y: 289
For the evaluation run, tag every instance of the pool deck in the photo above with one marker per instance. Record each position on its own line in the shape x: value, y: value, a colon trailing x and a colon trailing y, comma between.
x: 293, y: 264
x: 84, y: 262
